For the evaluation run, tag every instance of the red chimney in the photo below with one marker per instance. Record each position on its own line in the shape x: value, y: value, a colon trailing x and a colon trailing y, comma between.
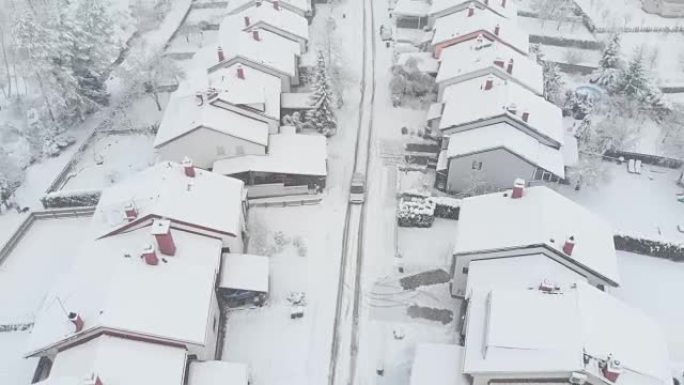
x: 150, y: 255
x: 525, y: 116
x: 247, y: 23
x: 130, y: 211
x: 499, y: 62
x: 497, y: 28
x: 569, y: 245
x: 221, y: 56
x: 503, y: 3
x: 471, y: 10
x: 94, y: 379
x: 489, y: 84
x: 611, y: 369
x: 240, y: 72
x: 276, y: 5
x: 255, y: 35
x: 76, y: 319
x: 518, y: 188
x: 188, y: 167
x: 509, y: 69
x: 161, y: 229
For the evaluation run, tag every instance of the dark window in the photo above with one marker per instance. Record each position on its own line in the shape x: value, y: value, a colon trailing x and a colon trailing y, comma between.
x: 214, y: 327
x: 476, y: 165
x: 538, y: 174
x: 465, y: 270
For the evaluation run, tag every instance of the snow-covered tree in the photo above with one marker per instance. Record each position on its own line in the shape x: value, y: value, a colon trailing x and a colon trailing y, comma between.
x: 322, y: 118
x: 553, y: 82
x: 409, y: 82
x: 638, y: 85
x: 611, y: 69
x: 11, y: 176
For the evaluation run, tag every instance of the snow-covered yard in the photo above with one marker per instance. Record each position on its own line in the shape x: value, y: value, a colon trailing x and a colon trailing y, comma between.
x: 565, y: 30
x: 304, y: 244
x: 663, y: 53
x: 430, y: 248
x: 639, y: 205
x: 654, y: 286
x: 623, y: 13
x: 110, y: 158
x: 192, y: 41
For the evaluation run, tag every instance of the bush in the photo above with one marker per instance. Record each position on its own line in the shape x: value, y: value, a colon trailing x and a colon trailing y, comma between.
x: 447, y: 208
x: 650, y: 247
x: 416, y: 211
x: 76, y: 198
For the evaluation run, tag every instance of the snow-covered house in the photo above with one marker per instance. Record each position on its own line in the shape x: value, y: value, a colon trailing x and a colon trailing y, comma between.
x: 573, y: 334
x: 243, y: 90
x: 441, y: 8
x: 477, y: 23
x: 205, y: 132
x: 293, y: 162
x: 261, y: 50
x: 274, y: 18
x: 532, y: 224
x: 300, y: 7
x: 482, y: 57
x: 194, y: 200
x: 495, y: 131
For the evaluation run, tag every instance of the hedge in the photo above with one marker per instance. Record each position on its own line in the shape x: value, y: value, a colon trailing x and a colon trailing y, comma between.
x: 75, y: 198
x: 650, y: 247
x: 416, y: 211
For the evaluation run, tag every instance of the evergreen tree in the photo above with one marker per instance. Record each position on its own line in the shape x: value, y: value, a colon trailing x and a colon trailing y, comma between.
x: 635, y: 83
x: 611, y: 66
x: 322, y: 118
x: 553, y: 82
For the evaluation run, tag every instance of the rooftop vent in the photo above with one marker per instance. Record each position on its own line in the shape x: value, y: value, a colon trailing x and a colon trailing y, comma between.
x: 188, y: 167
x: 150, y: 255
x: 569, y: 245
x: 76, y: 319
x: 130, y: 211
x: 518, y: 188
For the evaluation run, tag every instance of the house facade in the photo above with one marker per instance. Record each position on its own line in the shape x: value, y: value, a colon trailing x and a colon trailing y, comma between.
x: 666, y: 8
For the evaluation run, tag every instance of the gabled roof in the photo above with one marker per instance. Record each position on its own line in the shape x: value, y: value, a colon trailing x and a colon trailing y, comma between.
x: 531, y: 333
x: 185, y: 113
x: 505, y: 8
x: 208, y: 200
x: 301, y: 6
x: 503, y: 135
x: 118, y: 361
x: 256, y: 87
x: 288, y: 153
x: 281, y: 18
x: 459, y: 24
x: 477, y: 56
x: 271, y: 50
x: 542, y: 217
x: 469, y: 102
x: 112, y: 288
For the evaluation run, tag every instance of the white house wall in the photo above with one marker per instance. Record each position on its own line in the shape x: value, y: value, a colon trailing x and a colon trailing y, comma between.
x: 204, y: 146
x: 499, y: 169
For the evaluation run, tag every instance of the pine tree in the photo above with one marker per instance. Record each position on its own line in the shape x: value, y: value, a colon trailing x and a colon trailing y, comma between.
x: 322, y: 118
x: 553, y: 82
x: 636, y: 83
x: 611, y: 67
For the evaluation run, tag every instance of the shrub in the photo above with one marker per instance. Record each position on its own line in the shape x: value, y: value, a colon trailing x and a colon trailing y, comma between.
x: 75, y: 198
x: 416, y: 211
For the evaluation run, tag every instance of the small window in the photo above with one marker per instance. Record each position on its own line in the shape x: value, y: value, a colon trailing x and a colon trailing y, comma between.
x: 538, y: 174
x: 214, y: 324
x: 476, y: 165
x: 554, y: 178
x: 239, y: 150
x: 547, y: 176
x: 465, y: 270
x: 220, y: 150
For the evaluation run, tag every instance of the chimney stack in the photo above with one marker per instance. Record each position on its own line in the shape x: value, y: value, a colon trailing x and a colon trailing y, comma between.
x: 93, y: 379
x: 497, y: 28
x: 188, y: 167
x: 240, y: 72
x: 247, y: 22
x: 76, y: 319
x: 221, y: 56
x: 161, y: 229
x: 499, y: 62
x: 518, y: 188
x: 611, y: 368
x: 255, y: 35
x: 150, y: 255
x: 276, y: 5
x: 525, y: 116
x: 509, y: 69
x: 471, y: 10
x: 569, y: 245
x: 489, y: 83
x: 130, y: 211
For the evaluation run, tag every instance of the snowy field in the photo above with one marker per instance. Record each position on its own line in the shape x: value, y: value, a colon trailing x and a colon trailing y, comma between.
x: 664, y: 53
x: 425, y: 249
x: 567, y: 29
x: 109, y: 159
x: 205, y: 15
x: 654, y: 286
x: 304, y: 244
x: 623, y: 13
x: 640, y: 205
x: 39, y: 260
x: 191, y: 41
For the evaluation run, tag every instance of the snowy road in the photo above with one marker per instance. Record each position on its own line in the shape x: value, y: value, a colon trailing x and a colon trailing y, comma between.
x: 345, y: 335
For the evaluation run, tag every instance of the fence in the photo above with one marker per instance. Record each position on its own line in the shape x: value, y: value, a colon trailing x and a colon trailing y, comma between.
x: 275, y: 190
x: 565, y: 42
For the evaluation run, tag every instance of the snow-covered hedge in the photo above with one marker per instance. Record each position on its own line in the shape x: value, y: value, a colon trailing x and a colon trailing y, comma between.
x: 565, y: 42
x: 416, y: 211
x: 650, y: 247
x: 73, y: 198
x: 446, y: 207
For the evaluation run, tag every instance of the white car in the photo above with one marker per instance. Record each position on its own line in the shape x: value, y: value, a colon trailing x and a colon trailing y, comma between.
x: 358, y: 188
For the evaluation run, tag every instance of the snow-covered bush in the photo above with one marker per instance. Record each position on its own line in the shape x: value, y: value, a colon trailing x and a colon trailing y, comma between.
x: 409, y: 83
x: 446, y: 207
x: 416, y: 211
x: 74, y: 198
x: 650, y: 247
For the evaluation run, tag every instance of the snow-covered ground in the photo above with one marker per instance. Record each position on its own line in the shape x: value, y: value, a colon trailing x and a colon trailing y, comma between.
x: 639, y: 205
x: 654, y: 286
x: 663, y: 52
x: 426, y: 249
x: 566, y: 29
x: 192, y: 41
x: 623, y: 13
x: 38, y: 261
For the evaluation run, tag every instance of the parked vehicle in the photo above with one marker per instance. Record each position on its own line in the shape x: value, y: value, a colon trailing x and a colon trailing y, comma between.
x: 358, y: 188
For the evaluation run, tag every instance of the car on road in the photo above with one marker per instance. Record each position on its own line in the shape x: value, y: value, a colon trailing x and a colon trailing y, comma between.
x: 358, y: 188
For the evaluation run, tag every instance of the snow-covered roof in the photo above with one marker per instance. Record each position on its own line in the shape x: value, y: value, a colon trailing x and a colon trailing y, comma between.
x: 245, y: 272
x: 541, y: 217
x: 418, y: 8
x: 459, y: 24
x: 469, y: 102
x: 280, y: 19
x: 505, y: 8
x: 208, y: 200
x: 271, y: 50
x: 434, y: 111
x: 297, y: 100
x: 475, y: 56
x: 529, y: 332
x: 438, y: 364
x: 303, y: 6
x: 523, y: 272
x: 254, y: 88
x: 217, y: 373
x: 184, y: 114
x: 288, y: 153
x: 503, y: 135
x: 110, y: 286
x: 425, y: 61
x: 118, y: 361
x: 570, y: 150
